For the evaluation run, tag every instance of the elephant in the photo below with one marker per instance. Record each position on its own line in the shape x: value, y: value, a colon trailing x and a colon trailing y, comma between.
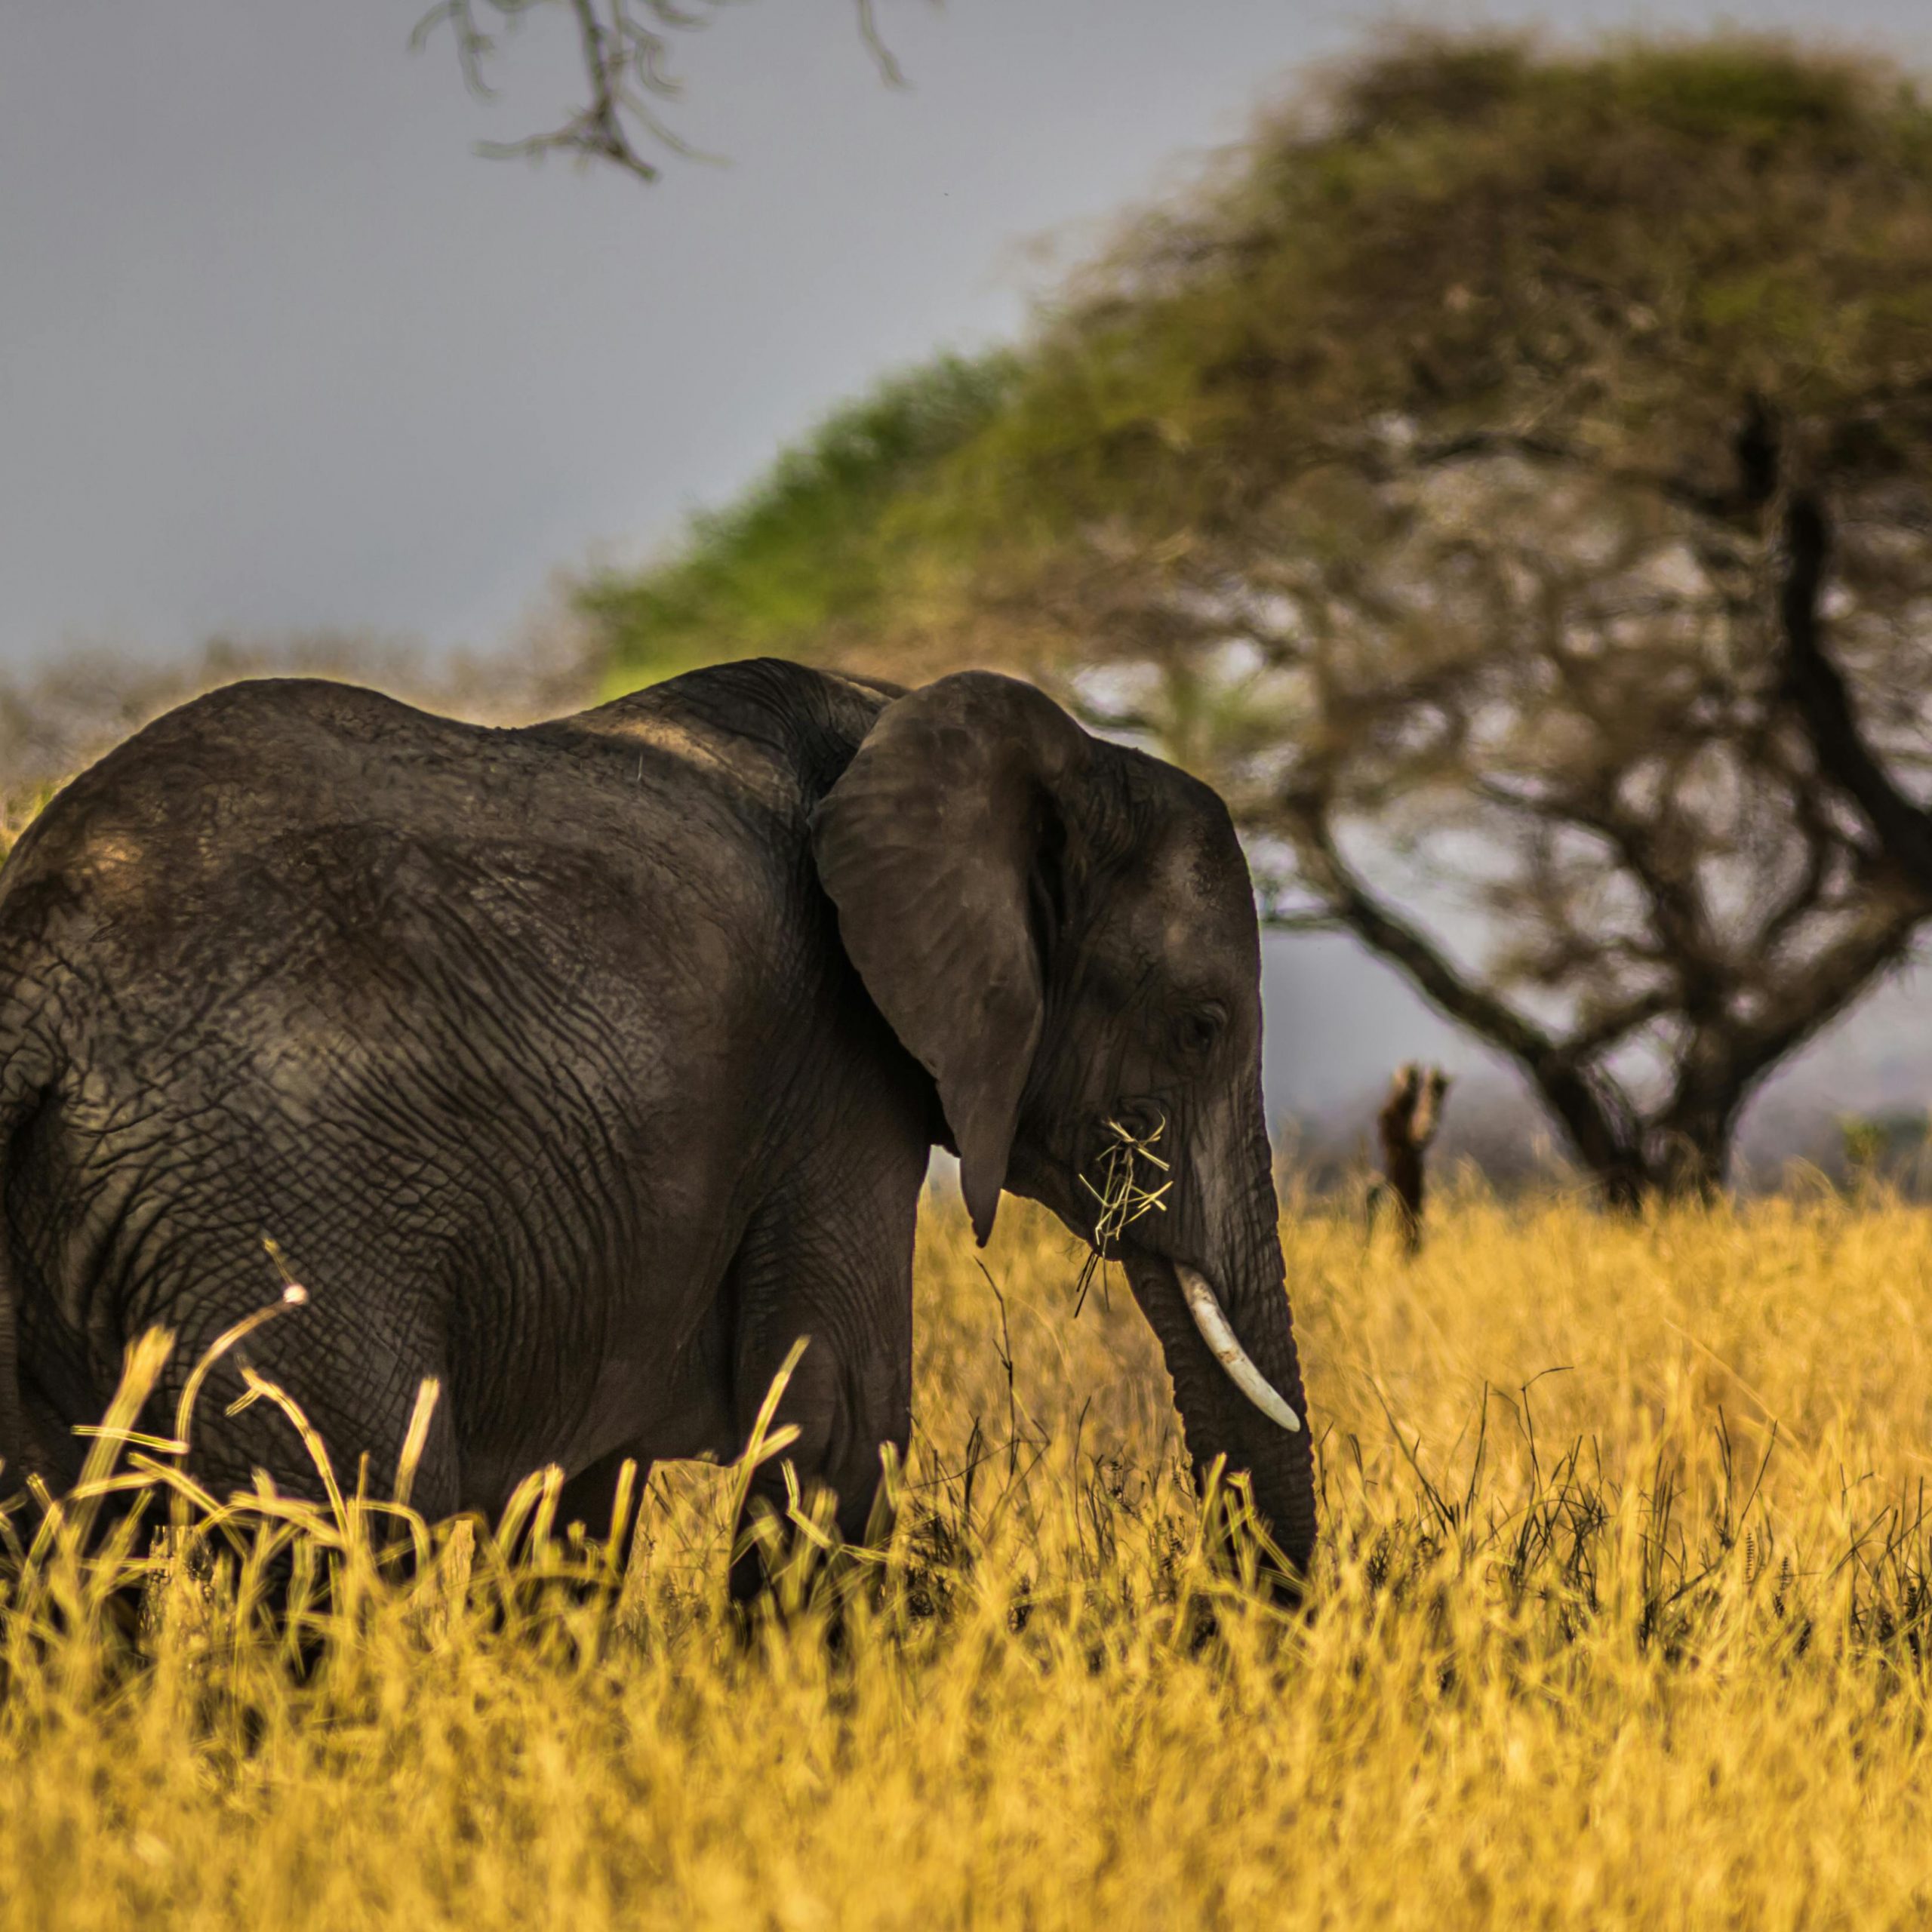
x: 585, y: 1065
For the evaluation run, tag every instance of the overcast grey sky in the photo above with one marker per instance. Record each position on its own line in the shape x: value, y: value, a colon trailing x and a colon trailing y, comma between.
x: 278, y: 351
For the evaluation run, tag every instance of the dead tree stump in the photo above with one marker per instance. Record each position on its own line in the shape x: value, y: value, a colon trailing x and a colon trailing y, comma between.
x: 1406, y: 1123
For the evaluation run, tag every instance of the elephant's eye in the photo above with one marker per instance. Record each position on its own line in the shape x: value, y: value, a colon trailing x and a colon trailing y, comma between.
x: 1197, y: 1030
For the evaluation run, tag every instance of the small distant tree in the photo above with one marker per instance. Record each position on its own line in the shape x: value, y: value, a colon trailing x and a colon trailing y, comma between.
x: 1406, y: 1126
x: 1876, y: 1148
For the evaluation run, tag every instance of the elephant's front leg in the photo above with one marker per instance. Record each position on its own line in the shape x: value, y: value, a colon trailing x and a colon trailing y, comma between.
x: 830, y: 1262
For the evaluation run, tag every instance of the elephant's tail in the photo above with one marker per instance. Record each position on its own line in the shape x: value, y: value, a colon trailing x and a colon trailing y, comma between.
x: 12, y: 1409
x: 32, y: 1066
x: 13, y: 1417
x: 16, y: 1461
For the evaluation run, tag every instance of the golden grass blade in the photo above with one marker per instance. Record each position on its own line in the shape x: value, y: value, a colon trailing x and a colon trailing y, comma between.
x: 544, y: 1520
x: 292, y: 1296
x: 523, y: 1500
x: 145, y: 1358
x: 161, y: 1445
x: 623, y: 1502
x: 260, y: 1389
x: 416, y: 1437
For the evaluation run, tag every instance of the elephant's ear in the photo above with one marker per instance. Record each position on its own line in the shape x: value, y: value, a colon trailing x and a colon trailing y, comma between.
x: 930, y: 846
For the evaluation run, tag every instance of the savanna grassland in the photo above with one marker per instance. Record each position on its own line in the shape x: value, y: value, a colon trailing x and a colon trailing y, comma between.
x: 1620, y: 1620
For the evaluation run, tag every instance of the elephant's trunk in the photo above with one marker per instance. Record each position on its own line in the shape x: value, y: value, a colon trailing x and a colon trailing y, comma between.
x: 1236, y: 1374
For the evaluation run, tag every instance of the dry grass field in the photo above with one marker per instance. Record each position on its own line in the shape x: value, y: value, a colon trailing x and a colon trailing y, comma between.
x: 1621, y: 1620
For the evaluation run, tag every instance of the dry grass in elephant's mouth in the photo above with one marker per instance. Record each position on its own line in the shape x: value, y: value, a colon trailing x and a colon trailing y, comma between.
x: 1641, y: 1643
x: 1121, y: 1196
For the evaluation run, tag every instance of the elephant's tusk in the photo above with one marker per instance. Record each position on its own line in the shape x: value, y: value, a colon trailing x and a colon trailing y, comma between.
x: 1212, y: 1321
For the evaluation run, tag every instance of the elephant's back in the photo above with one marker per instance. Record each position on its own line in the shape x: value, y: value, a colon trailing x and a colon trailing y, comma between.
x: 142, y: 837
x: 326, y: 885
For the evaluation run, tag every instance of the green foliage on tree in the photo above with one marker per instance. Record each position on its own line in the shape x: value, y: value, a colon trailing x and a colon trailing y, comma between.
x: 1504, y: 478
x: 801, y: 564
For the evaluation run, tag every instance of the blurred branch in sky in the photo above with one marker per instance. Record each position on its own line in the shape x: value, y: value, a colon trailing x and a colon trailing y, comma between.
x: 625, y: 47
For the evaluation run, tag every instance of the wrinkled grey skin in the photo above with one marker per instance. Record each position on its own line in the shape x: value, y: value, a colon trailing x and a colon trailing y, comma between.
x: 585, y: 1065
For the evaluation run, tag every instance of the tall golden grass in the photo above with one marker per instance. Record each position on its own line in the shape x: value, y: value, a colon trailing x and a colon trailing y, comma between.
x: 1620, y: 1619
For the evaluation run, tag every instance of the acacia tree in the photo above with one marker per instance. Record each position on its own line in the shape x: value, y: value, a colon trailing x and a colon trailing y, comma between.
x: 1453, y: 484
x: 1463, y: 481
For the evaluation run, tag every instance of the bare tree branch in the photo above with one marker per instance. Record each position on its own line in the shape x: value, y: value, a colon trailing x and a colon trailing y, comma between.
x: 889, y: 68
x: 1903, y: 829
x: 624, y: 48
x: 1475, y: 444
x: 1611, y: 1028
x: 1598, y: 1117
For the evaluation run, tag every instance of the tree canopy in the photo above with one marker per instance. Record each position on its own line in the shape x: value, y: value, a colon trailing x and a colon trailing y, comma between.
x: 1471, y: 476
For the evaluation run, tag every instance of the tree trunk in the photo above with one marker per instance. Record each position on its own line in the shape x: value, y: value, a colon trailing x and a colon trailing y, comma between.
x: 1901, y: 827
x: 1605, y: 1138
x: 1693, y: 1159
x: 1683, y: 1154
